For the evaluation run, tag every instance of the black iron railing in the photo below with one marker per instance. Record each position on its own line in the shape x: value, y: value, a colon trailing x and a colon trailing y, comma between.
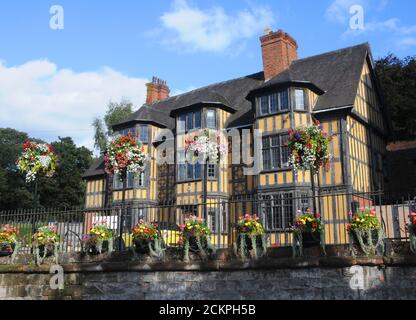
x: 276, y: 211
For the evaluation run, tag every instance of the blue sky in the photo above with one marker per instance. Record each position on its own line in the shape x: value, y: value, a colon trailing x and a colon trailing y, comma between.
x: 54, y: 82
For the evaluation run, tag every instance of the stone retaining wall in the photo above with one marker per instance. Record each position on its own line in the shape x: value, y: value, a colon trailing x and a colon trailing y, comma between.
x: 286, y: 278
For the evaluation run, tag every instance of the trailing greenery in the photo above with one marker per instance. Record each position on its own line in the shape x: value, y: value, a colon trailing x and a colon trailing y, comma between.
x: 365, y: 231
x: 307, y: 223
x: 251, y: 239
x: 46, y: 242
x: 195, y: 236
x: 99, y: 235
x: 146, y: 236
x: 411, y: 229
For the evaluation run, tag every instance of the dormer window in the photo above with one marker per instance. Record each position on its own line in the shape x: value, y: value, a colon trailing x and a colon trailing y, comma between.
x: 282, y: 101
x: 275, y: 102
x: 188, y: 121
x: 127, y: 131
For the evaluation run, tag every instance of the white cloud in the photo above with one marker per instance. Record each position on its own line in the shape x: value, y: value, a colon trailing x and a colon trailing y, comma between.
x: 339, y: 10
x: 403, y: 34
x: 39, y: 98
x: 191, y: 29
x: 407, y: 42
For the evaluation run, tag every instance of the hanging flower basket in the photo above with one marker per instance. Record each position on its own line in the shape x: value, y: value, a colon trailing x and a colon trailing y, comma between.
x: 308, y: 231
x: 8, y: 240
x: 99, y: 239
x: 125, y: 154
x: 411, y: 229
x: 309, y: 148
x: 195, y: 235
x: 37, y: 157
x: 251, y: 239
x: 205, y: 145
x: 365, y: 232
x: 148, y: 240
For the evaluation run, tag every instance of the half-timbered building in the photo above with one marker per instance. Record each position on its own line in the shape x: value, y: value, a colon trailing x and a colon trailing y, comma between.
x: 338, y: 88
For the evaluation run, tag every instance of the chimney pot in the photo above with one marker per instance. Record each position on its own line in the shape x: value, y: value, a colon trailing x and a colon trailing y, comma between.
x: 157, y: 90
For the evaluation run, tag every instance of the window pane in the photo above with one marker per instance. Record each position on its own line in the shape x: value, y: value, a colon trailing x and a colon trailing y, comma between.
x: 284, y: 100
x: 275, y: 141
x: 197, y: 170
x: 144, y: 133
x: 140, y: 179
x: 117, y: 184
x: 264, y: 105
x: 182, y: 172
x: 299, y: 99
x: 181, y: 123
x: 285, y: 151
x: 275, y: 157
x: 197, y: 115
x: 266, y: 159
x: 274, y: 101
x: 189, y: 171
x: 211, y: 119
x: 130, y: 180
x: 211, y: 171
x: 212, y: 221
x: 189, y: 121
x: 266, y: 142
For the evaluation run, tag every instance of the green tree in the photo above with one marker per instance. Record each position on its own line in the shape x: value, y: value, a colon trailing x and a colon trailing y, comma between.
x: 398, y: 82
x: 116, y: 113
x: 66, y: 188
x: 14, y: 192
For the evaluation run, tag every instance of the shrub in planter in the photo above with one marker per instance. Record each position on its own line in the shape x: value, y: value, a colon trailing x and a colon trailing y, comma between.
x: 195, y: 237
x: 365, y: 231
x: 8, y: 240
x: 147, y: 239
x: 251, y: 239
x: 99, y: 239
x: 46, y: 242
x: 308, y: 231
x: 411, y: 229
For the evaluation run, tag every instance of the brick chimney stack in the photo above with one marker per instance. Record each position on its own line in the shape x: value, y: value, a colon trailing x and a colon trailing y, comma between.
x: 279, y: 49
x: 157, y: 90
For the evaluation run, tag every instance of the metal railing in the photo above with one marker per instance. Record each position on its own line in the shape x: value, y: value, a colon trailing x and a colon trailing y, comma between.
x: 276, y: 211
